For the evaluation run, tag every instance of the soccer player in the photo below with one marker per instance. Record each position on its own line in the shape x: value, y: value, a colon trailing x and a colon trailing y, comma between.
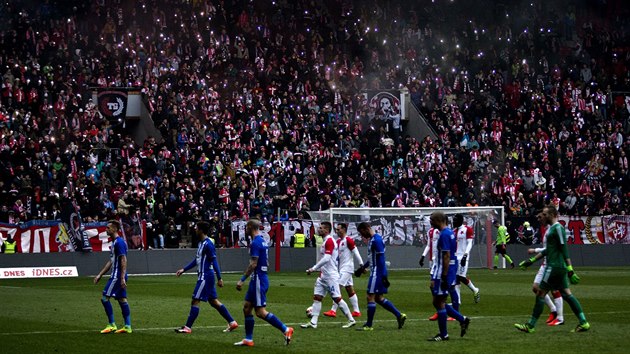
x: 348, y: 253
x: 431, y: 247
x: 465, y: 238
x: 207, y: 265
x: 328, y: 280
x: 117, y: 284
x: 557, y: 274
x: 501, y: 244
x: 256, y: 296
x: 443, y: 277
x: 556, y: 317
x: 377, y: 282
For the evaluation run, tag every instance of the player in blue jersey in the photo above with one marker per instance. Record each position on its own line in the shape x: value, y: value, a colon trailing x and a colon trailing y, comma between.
x: 444, y: 277
x: 207, y: 265
x: 378, y: 282
x: 256, y: 297
x: 117, y: 285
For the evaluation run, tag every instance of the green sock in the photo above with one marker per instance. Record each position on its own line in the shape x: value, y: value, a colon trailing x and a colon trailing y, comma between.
x: 575, y: 307
x: 539, y: 305
x: 508, y: 258
x: 496, y: 259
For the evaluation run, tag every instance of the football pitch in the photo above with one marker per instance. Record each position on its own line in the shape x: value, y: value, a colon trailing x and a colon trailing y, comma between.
x: 65, y: 315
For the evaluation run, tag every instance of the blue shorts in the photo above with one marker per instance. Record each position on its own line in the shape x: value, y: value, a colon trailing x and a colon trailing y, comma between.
x: 205, y: 290
x: 451, y: 278
x: 375, y: 285
x: 113, y: 289
x: 257, y: 290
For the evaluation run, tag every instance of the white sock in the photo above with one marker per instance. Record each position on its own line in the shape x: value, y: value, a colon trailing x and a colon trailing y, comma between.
x: 559, y: 306
x: 549, y: 303
x: 354, y: 301
x: 346, y: 311
x: 317, y: 308
x: 472, y: 286
x: 334, y: 306
x: 459, y: 294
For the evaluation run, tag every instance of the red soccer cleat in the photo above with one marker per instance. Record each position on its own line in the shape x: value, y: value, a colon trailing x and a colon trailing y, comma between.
x: 330, y: 313
x: 356, y: 314
x: 552, y: 317
x: 434, y: 317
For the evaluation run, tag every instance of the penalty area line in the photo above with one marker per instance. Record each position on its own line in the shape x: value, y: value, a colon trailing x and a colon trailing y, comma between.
x: 157, y: 329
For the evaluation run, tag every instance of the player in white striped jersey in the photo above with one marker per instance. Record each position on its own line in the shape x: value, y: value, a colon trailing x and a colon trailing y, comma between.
x: 465, y: 238
x: 328, y: 280
x: 431, y: 248
x: 348, y: 253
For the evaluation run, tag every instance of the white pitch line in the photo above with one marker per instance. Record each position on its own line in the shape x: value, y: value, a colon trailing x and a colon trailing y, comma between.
x: 95, y: 331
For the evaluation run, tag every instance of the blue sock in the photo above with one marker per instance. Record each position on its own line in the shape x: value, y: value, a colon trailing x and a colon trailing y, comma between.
x: 249, y: 327
x: 454, y: 298
x: 454, y: 313
x: 126, y: 312
x: 387, y: 305
x: 225, y: 313
x: 109, y: 310
x: 275, y: 321
x: 192, y: 316
x: 442, y: 322
x: 371, y: 306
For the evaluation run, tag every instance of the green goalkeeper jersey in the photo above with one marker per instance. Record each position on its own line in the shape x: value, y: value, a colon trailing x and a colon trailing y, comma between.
x: 556, y: 250
x: 502, y: 235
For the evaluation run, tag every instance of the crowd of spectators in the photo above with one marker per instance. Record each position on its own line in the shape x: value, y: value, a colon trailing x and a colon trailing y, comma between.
x: 260, y: 107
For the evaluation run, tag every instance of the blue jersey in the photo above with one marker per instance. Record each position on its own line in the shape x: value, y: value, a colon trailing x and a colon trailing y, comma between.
x: 447, y: 242
x: 118, y: 248
x: 259, y: 248
x: 376, y: 256
x: 205, y: 260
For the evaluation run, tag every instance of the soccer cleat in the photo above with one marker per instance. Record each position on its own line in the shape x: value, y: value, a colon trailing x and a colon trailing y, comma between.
x: 524, y: 327
x: 555, y: 322
x: 125, y: 329
x: 365, y: 328
x: 512, y: 265
x: 477, y: 296
x: 349, y: 324
x: 245, y: 343
x: 183, y: 329
x: 356, y: 314
x: 110, y: 328
x: 288, y: 335
x: 438, y: 338
x: 330, y: 313
x: 308, y: 325
x: 464, y: 326
x: 434, y: 317
x: 450, y: 319
x: 552, y: 316
x: 231, y: 327
x: 495, y: 267
x: 582, y: 327
x: 401, y: 320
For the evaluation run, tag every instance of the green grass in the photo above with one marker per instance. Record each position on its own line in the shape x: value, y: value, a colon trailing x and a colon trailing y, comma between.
x: 64, y: 315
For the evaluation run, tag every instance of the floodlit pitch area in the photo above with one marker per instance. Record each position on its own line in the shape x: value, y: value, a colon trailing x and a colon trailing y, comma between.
x: 65, y: 315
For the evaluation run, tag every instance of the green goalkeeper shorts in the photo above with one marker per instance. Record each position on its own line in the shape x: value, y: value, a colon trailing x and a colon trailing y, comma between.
x: 554, y: 279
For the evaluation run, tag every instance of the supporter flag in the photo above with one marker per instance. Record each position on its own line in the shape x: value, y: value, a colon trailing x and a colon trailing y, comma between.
x: 112, y: 103
x: 73, y: 225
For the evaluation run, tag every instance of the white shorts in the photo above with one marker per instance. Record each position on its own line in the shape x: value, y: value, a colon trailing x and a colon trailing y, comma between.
x: 462, y: 271
x: 539, y: 275
x: 327, y: 286
x: 345, y: 279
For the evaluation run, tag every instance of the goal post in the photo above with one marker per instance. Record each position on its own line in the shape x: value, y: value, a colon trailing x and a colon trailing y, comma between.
x: 409, y: 226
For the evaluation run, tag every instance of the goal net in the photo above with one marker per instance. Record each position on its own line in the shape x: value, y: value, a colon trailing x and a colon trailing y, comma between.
x: 410, y: 226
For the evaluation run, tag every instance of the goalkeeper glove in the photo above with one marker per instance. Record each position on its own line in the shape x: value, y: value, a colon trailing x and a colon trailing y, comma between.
x: 526, y: 263
x: 385, y: 282
x: 573, y: 278
x: 421, y: 261
x: 463, y: 262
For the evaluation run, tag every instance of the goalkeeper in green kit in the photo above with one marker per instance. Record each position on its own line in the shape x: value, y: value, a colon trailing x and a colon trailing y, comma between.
x: 557, y: 275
